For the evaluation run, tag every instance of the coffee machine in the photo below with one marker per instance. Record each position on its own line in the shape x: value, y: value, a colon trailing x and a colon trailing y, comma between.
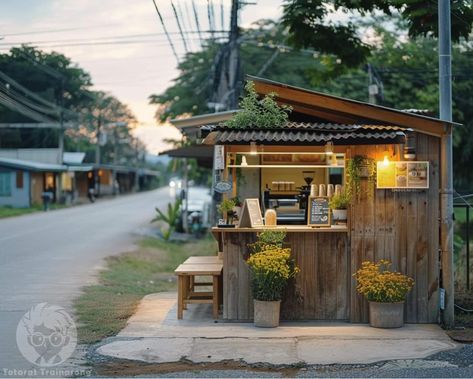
x: 290, y: 206
x: 304, y: 191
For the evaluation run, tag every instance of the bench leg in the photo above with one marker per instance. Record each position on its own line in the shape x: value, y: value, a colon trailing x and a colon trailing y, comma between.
x: 215, y: 297
x: 181, y: 287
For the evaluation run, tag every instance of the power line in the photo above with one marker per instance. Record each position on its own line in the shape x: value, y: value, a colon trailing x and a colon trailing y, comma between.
x: 209, y: 16
x: 165, y: 31
x: 179, y: 26
x: 184, y: 21
x: 222, y: 15
x: 111, y: 39
x: 18, y: 107
x: 197, y: 23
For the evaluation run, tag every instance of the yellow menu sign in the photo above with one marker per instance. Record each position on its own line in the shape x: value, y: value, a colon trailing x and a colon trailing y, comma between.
x: 402, y: 174
x: 385, y: 175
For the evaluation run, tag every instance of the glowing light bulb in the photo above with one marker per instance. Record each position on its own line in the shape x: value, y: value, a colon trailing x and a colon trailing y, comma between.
x: 385, y: 161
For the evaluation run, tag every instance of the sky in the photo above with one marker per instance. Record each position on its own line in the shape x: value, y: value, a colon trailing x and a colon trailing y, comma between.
x: 138, y: 63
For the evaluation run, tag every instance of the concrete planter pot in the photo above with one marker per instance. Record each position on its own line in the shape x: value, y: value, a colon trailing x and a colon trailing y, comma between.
x: 386, y: 315
x: 339, y: 215
x: 266, y: 313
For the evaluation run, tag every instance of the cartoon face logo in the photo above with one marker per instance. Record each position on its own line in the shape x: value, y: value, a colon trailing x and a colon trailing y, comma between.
x: 46, y: 335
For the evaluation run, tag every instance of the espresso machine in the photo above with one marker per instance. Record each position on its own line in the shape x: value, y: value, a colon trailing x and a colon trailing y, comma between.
x: 304, y: 191
x: 290, y: 207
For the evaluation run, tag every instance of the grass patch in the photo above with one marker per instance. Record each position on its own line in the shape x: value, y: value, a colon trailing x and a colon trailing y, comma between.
x: 8, y: 211
x: 103, y: 309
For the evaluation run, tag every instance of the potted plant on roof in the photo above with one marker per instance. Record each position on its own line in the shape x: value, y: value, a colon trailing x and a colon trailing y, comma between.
x: 339, y: 204
x: 271, y: 269
x: 386, y: 292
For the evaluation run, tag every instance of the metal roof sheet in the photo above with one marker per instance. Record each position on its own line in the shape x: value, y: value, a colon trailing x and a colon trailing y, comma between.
x: 305, y: 133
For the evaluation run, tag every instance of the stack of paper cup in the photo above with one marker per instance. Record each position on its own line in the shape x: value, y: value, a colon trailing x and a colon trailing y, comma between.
x: 322, y: 190
x: 314, y: 190
x: 338, y: 189
x: 330, y: 190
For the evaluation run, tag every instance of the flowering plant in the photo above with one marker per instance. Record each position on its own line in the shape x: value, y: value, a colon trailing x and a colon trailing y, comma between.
x: 271, y: 268
x: 378, y: 284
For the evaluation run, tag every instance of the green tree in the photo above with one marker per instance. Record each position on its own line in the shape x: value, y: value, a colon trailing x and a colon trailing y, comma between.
x: 311, y: 25
x: 50, y: 84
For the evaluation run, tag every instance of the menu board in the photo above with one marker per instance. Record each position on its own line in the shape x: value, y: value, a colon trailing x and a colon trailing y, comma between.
x: 402, y: 174
x: 251, y: 214
x: 318, y: 212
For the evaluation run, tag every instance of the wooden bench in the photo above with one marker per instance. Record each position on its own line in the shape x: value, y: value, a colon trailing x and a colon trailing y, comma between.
x: 186, y: 273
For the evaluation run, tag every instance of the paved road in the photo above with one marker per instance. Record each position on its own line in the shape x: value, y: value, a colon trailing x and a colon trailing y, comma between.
x: 47, y: 257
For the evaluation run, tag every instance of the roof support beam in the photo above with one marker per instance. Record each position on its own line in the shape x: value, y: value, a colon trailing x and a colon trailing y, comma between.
x: 356, y: 109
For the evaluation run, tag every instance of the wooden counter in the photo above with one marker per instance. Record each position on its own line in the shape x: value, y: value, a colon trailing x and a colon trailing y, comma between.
x: 319, y: 292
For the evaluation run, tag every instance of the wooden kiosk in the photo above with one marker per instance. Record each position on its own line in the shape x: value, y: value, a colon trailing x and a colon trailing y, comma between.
x: 401, y: 215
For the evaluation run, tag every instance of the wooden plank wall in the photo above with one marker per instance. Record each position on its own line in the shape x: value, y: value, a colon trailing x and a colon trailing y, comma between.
x: 320, y: 291
x: 403, y: 228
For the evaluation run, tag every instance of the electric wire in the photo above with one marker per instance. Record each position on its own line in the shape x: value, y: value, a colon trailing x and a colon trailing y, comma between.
x: 165, y: 31
x: 18, y: 107
x: 209, y: 17
x: 179, y: 26
x: 186, y: 25
x: 197, y: 23
x: 222, y: 15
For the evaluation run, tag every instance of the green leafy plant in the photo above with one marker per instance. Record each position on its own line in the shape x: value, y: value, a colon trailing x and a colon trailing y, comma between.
x: 226, y: 209
x: 377, y: 283
x: 268, y: 239
x: 340, y: 201
x: 170, y: 218
x: 271, y: 270
x: 256, y: 113
x: 357, y: 168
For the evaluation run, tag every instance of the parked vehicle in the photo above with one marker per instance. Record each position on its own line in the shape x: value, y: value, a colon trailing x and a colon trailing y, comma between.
x: 198, y: 210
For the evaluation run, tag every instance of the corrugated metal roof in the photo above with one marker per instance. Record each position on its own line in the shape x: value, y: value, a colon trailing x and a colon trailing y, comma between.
x: 307, y: 133
x: 31, y: 165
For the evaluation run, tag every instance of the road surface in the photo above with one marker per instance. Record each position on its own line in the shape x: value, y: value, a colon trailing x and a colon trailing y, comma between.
x: 47, y: 257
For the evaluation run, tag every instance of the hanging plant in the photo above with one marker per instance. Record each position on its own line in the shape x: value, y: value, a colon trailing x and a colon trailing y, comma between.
x: 360, y: 167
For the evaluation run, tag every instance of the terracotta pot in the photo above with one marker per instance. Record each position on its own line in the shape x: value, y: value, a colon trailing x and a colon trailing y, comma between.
x: 267, y: 313
x: 386, y: 315
x: 339, y: 214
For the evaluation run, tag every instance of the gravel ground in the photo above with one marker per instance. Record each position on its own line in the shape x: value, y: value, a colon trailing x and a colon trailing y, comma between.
x: 456, y: 363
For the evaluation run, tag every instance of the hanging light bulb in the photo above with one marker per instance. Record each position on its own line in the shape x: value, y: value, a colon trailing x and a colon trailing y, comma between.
x: 386, y: 157
x: 329, y: 148
x: 253, y: 150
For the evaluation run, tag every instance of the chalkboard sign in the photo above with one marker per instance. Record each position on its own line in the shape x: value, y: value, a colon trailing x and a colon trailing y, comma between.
x: 318, y: 212
x: 251, y: 214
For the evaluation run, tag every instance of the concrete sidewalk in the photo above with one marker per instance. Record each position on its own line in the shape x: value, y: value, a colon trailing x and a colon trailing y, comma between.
x: 154, y: 335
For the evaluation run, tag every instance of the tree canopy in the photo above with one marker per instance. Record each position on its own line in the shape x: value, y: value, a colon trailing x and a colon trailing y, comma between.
x: 312, y: 23
x: 36, y: 86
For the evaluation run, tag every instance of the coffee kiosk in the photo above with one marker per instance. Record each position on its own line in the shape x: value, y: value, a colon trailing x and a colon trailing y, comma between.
x: 295, y: 169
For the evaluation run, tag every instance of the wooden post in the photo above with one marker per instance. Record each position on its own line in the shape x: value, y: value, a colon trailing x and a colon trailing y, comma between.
x: 446, y: 224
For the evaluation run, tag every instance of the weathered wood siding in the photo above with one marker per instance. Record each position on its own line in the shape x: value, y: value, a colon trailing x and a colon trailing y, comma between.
x: 403, y: 228
x: 319, y: 292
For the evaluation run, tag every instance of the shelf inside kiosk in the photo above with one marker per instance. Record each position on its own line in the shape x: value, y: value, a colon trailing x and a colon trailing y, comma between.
x: 284, y: 181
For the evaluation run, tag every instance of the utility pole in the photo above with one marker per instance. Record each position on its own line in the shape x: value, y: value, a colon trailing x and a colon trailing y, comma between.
x: 372, y: 86
x: 446, y: 155
x: 97, y: 155
x: 234, y: 69
x: 228, y: 77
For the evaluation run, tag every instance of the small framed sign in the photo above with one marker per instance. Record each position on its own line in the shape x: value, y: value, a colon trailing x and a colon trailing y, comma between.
x: 402, y: 175
x: 251, y: 214
x: 318, y: 212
